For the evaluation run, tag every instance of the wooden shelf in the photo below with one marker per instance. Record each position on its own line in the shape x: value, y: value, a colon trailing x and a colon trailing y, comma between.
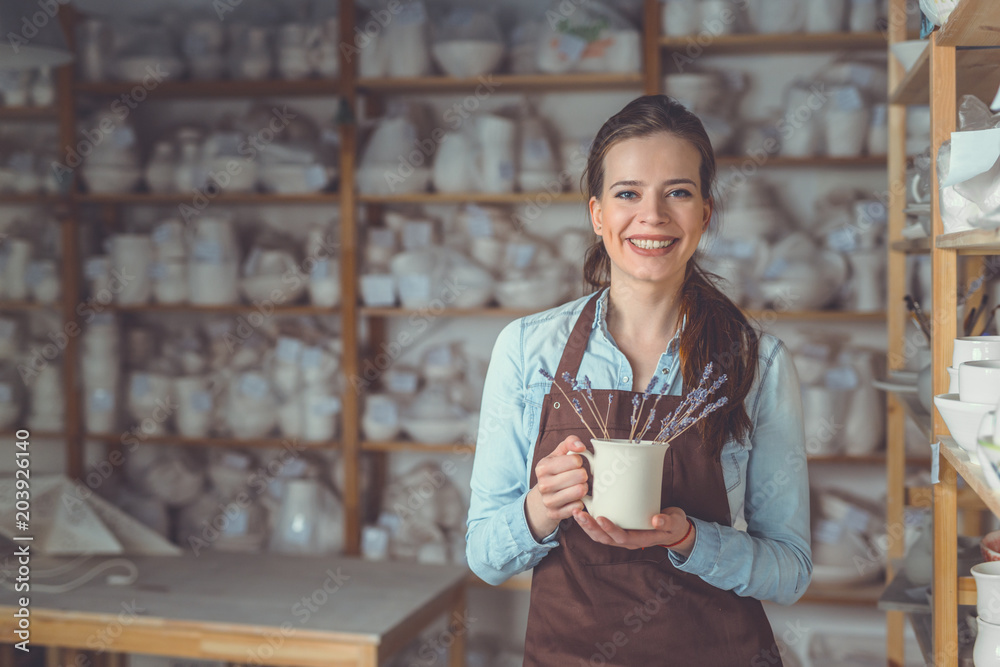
x: 977, y: 73
x: 27, y: 305
x: 971, y: 472
x: 8, y: 436
x: 912, y: 246
x: 878, y: 459
x: 487, y: 311
x: 501, y: 83
x: 513, y: 313
x: 476, y: 197
x: 972, y: 242
x: 255, y: 198
x: 33, y: 199
x: 785, y: 43
x: 817, y: 315
x: 836, y: 594
x: 221, y: 88
x: 409, y: 446
x: 287, y: 311
x: 28, y: 113
x: 896, y: 596
x: 820, y: 161
x: 209, y: 442
x: 972, y: 23
x: 519, y: 582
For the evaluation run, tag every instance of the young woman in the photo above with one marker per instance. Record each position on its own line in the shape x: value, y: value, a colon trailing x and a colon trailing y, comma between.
x: 735, y: 525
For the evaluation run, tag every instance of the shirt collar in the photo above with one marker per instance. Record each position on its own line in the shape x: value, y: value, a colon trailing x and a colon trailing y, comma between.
x: 600, y: 320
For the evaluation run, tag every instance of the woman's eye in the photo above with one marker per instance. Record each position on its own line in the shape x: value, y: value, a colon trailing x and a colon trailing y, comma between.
x: 627, y: 194
x: 679, y: 193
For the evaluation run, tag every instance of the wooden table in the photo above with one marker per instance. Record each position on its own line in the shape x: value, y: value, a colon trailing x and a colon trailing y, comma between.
x: 259, y: 609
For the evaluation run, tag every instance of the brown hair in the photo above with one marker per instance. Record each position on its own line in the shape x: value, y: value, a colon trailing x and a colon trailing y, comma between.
x: 716, y: 330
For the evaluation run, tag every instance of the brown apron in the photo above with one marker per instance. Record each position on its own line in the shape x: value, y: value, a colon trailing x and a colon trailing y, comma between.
x: 593, y: 604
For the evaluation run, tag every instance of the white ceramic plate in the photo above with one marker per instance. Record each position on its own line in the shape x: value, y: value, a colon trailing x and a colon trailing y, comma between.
x: 845, y: 575
x: 895, y: 385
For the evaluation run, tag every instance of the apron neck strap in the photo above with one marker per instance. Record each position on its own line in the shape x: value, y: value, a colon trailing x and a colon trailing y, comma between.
x: 578, y: 338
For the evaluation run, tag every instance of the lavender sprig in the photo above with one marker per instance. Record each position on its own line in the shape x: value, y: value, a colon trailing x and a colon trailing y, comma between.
x: 548, y: 376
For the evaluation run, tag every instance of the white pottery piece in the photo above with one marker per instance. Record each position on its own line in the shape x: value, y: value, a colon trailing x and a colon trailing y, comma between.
x: 627, y: 479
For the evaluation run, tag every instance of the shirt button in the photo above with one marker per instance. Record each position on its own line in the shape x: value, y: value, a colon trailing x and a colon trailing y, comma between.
x: 625, y: 379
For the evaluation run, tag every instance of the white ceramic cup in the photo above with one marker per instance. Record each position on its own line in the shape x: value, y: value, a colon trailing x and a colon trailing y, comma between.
x: 627, y: 482
x: 987, y: 576
x: 979, y: 381
x: 194, y: 406
x: 975, y: 348
x: 131, y: 255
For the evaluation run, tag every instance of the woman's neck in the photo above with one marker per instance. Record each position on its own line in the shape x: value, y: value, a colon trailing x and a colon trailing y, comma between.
x: 642, y: 314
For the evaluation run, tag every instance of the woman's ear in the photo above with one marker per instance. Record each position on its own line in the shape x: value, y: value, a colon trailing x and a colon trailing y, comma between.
x: 596, y: 215
x: 709, y: 210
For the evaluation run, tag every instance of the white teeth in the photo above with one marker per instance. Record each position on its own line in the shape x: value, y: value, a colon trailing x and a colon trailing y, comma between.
x: 651, y: 245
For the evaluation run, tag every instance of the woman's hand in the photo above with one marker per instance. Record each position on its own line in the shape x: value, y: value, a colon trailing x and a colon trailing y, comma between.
x: 559, y: 491
x: 667, y: 528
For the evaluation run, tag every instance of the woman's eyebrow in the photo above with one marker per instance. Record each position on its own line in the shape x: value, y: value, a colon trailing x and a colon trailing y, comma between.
x: 672, y: 181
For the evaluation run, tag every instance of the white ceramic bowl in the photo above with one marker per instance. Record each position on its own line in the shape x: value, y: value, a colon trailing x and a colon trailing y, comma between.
x: 476, y: 286
x: 436, y: 431
x: 384, y: 180
x: 468, y: 57
x: 109, y: 179
x: 233, y: 174
x: 529, y: 293
x: 962, y: 419
x: 975, y: 348
x: 979, y: 381
x: 908, y: 52
x: 291, y: 179
x: 139, y: 68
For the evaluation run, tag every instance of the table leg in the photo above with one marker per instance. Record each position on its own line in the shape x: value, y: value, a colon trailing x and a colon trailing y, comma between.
x: 53, y: 657
x: 456, y: 653
x: 6, y: 655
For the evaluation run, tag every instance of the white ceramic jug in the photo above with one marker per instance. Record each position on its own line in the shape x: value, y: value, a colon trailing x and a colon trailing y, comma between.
x: 454, y: 166
x: 496, y: 136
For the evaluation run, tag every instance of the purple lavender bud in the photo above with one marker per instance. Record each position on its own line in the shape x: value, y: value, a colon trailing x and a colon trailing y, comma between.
x: 586, y: 384
x: 610, y: 398
x: 576, y: 406
x: 707, y: 373
x: 635, y: 401
x: 632, y: 421
x: 566, y: 378
x: 547, y: 375
x: 650, y: 387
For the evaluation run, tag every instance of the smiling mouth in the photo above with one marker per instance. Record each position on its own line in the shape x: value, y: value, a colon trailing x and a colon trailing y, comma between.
x: 649, y: 244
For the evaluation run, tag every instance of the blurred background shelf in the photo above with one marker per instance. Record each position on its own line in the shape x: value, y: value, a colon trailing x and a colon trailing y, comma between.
x: 501, y: 83
x: 782, y: 43
x: 236, y: 309
x: 220, y: 88
x: 256, y: 198
x: 128, y: 437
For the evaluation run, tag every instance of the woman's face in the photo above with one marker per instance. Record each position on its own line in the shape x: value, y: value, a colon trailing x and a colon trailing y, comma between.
x: 651, y: 214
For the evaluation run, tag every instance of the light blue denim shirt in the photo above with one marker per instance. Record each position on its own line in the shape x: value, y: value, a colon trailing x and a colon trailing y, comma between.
x: 765, y: 555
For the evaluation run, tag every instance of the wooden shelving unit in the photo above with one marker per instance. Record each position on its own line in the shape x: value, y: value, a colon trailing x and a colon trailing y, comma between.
x: 783, y: 43
x: 26, y: 305
x: 501, y: 83
x: 41, y: 114
x: 912, y: 246
x: 349, y: 88
x: 942, y: 73
x: 214, y: 89
x: 417, y: 447
x: 127, y: 436
x: 234, y: 199
x: 235, y: 309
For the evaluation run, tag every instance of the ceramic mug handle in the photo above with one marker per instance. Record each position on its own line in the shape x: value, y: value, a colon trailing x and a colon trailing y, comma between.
x: 589, y: 498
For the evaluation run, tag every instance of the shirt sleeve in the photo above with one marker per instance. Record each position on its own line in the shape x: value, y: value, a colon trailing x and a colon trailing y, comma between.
x: 772, y: 560
x: 499, y: 543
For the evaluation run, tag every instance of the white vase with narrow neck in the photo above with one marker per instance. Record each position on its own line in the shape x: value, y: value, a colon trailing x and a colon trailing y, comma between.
x: 627, y: 481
